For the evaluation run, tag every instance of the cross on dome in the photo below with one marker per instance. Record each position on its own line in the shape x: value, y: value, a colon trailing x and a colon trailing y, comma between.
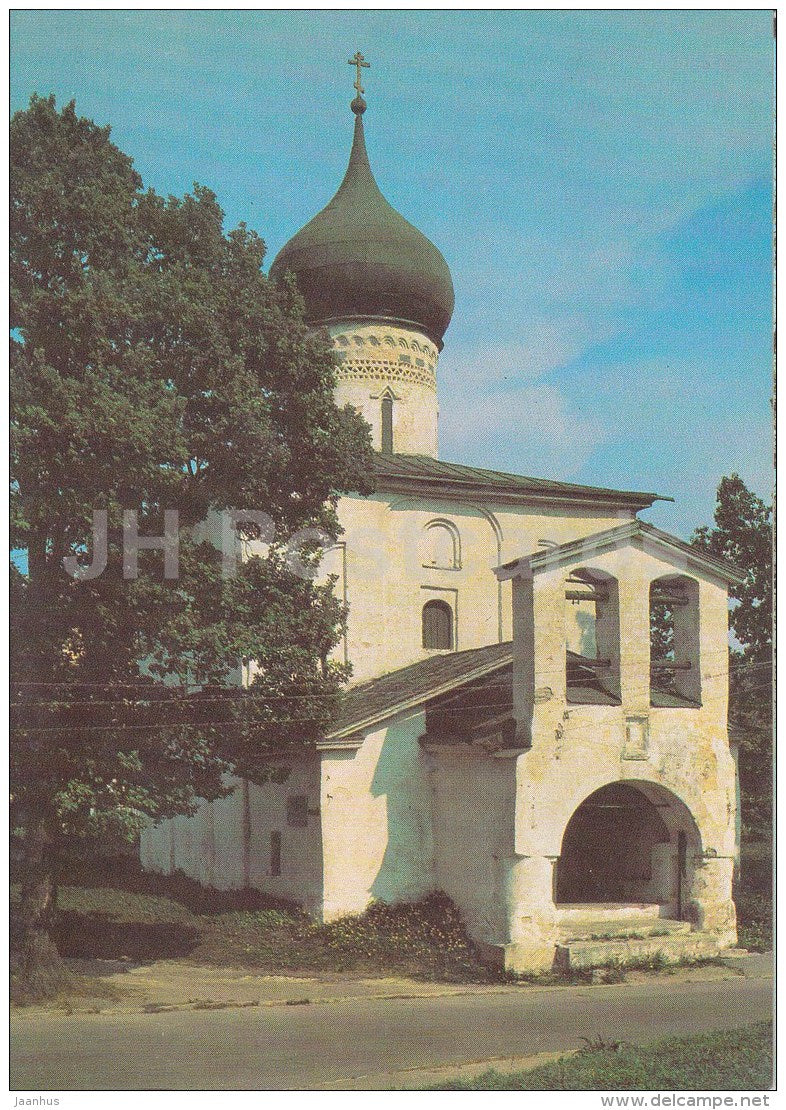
x: 359, y: 62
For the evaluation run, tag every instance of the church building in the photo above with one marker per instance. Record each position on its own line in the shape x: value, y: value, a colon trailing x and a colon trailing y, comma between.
x: 513, y: 735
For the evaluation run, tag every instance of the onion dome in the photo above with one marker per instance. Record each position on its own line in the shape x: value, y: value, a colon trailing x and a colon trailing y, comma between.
x: 359, y: 258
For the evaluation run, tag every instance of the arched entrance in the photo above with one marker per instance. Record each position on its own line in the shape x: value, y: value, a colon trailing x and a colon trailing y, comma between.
x: 628, y: 842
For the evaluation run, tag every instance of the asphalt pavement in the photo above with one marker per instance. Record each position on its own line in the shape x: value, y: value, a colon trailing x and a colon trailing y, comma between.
x: 361, y: 1043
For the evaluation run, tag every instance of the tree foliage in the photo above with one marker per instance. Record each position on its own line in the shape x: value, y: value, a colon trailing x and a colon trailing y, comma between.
x: 743, y: 534
x: 155, y: 367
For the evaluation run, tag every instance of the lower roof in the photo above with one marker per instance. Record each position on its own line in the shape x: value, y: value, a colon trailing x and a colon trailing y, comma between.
x: 423, y: 474
x: 373, y: 702
x: 370, y: 704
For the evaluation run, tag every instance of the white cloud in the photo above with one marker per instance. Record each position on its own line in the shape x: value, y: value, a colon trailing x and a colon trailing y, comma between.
x: 529, y: 430
x: 540, y: 346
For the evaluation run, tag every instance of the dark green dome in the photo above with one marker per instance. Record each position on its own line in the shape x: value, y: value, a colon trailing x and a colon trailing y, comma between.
x: 359, y: 258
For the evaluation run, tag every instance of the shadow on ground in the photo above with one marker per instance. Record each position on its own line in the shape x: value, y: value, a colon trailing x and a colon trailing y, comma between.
x: 96, y: 936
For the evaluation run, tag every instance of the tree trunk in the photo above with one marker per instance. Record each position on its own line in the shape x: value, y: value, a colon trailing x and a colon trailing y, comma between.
x: 41, y: 969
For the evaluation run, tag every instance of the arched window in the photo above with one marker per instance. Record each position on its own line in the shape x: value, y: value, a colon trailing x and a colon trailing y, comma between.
x: 441, y: 545
x: 437, y: 626
x: 592, y: 638
x: 675, y: 672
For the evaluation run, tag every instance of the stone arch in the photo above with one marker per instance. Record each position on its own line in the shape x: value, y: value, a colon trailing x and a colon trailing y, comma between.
x: 406, y: 502
x: 630, y: 841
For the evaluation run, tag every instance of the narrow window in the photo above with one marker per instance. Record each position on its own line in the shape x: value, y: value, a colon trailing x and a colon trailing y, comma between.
x: 275, y: 853
x: 387, y: 425
x: 437, y: 626
x: 297, y: 811
x: 675, y: 677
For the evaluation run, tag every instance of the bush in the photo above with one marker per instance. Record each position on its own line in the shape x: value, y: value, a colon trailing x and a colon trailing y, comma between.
x: 426, y: 937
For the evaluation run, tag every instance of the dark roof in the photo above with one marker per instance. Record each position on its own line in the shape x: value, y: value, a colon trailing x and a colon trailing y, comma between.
x: 426, y: 683
x: 584, y: 685
x: 359, y: 257
x: 372, y: 702
x: 409, y: 472
x: 742, y: 730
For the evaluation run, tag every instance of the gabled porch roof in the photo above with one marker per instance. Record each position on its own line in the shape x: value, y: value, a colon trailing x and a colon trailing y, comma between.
x: 372, y: 703
x: 634, y: 532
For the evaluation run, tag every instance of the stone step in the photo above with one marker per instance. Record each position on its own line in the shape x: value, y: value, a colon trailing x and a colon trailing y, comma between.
x: 611, y: 911
x: 671, y: 948
x: 608, y: 928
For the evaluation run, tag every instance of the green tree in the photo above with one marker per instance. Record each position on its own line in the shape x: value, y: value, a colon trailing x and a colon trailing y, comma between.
x: 154, y: 367
x: 743, y: 533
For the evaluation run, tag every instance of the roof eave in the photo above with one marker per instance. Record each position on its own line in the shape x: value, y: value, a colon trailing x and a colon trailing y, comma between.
x: 614, y: 499
x: 395, y: 321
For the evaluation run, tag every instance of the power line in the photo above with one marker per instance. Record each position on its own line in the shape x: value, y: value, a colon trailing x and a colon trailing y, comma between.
x: 119, y: 727
x: 190, y: 700
x: 151, y: 686
x: 243, y: 694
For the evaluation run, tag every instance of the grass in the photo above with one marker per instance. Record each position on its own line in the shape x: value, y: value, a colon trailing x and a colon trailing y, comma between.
x: 128, y: 914
x: 738, y: 1060
x: 115, y: 913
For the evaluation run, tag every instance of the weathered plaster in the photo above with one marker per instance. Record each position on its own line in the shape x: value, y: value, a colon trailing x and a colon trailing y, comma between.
x: 682, y: 759
x: 380, y: 569
x: 226, y: 845
x: 376, y: 820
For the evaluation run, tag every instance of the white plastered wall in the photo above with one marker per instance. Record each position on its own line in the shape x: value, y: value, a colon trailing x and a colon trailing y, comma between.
x: 474, y: 814
x: 376, y: 820
x: 227, y: 843
x: 377, y: 358
x: 379, y: 565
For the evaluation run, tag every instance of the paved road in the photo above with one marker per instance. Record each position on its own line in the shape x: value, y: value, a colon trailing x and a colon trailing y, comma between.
x: 360, y: 1043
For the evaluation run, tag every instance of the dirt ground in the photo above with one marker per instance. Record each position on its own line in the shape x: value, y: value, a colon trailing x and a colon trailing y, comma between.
x: 120, y: 986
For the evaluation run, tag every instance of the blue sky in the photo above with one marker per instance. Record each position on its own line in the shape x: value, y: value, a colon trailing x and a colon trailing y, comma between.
x: 599, y: 182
